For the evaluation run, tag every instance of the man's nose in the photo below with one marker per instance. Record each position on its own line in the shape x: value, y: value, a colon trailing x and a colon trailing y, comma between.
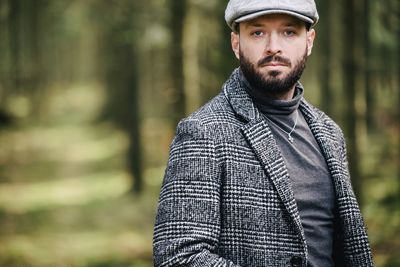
x: 273, y: 45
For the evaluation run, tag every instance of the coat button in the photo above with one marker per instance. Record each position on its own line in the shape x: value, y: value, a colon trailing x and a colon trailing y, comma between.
x: 296, y: 261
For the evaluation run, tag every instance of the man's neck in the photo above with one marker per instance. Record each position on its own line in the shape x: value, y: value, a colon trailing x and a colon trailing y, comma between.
x: 282, y: 96
x: 288, y: 95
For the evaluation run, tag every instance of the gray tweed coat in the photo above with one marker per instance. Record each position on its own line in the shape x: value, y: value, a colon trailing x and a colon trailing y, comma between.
x: 226, y: 198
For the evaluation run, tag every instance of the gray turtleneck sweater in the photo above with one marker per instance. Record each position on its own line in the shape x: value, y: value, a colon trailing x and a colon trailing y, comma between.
x: 310, y: 178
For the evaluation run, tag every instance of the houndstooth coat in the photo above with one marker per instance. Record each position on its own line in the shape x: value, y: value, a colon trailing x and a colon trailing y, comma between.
x: 226, y: 198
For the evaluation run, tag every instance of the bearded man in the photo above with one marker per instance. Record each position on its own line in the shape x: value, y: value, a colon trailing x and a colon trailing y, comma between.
x: 258, y: 176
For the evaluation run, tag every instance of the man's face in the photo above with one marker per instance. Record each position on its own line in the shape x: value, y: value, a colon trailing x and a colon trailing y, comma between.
x: 272, y: 50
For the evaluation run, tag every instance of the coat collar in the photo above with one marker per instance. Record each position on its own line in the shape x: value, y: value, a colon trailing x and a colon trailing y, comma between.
x: 239, y: 99
x: 244, y: 106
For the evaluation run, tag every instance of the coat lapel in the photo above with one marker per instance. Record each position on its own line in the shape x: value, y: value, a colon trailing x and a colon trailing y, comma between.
x: 328, y: 140
x: 259, y: 137
x: 323, y: 135
x: 261, y: 140
x: 352, y: 234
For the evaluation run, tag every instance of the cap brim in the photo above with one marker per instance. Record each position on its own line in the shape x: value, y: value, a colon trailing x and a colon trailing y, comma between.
x: 273, y: 11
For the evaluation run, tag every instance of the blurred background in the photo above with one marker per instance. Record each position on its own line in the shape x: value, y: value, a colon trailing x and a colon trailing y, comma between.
x: 91, y: 92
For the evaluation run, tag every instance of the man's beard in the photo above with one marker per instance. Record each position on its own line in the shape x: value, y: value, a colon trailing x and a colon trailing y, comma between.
x: 272, y: 85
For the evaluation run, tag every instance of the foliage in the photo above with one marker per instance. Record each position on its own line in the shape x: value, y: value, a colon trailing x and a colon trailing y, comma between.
x: 91, y: 91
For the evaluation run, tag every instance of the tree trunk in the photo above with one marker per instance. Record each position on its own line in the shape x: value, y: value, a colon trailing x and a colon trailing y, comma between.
x: 177, y: 18
x: 350, y: 74
x: 192, y: 72
x: 369, y: 90
x: 135, y: 149
x: 34, y: 80
x: 124, y: 104
x: 120, y: 72
x: 14, y: 35
x: 396, y: 27
x: 326, y: 56
x: 4, y: 50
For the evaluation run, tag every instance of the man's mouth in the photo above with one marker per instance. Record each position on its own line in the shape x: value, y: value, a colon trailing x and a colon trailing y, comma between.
x: 275, y: 64
x: 274, y: 61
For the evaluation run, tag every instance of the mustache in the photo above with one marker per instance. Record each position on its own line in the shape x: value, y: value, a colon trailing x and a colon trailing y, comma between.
x: 273, y: 58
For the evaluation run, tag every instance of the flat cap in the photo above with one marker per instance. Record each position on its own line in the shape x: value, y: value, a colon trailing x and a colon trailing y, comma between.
x: 244, y: 10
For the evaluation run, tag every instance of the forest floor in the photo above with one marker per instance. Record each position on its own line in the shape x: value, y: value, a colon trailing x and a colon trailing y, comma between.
x: 64, y: 191
x: 65, y: 199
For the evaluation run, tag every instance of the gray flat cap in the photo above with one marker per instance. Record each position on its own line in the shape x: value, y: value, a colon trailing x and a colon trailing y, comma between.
x: 244, y: 10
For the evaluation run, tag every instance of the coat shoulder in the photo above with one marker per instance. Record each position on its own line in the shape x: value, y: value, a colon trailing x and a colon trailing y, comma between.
x: 215, y: 120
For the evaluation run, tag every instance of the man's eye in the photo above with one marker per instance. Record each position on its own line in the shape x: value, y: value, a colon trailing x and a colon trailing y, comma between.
x: 258, y: 33
x: 289, y: 33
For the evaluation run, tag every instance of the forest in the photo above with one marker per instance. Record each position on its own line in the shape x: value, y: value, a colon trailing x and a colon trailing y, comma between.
x: 91, y: 92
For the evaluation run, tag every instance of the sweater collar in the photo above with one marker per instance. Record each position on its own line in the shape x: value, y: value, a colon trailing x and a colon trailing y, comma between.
x: 243, y: 104
x: 272, y: 106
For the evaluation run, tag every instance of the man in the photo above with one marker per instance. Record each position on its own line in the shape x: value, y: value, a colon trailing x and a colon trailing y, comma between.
x: 258, y: 176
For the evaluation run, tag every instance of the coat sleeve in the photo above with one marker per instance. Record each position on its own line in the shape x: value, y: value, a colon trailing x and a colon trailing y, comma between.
x: 355, y: 250
x: 187, y: 225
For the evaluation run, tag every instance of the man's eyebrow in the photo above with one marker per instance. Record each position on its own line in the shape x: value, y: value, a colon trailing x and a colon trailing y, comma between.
x: 255, y: 24
x: 293, y: 24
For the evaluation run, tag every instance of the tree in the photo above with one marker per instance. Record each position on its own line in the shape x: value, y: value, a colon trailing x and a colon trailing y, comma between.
x: 120, y: 73
x: 351, y: 73
x: 326, y: 42
x: 177, y: 17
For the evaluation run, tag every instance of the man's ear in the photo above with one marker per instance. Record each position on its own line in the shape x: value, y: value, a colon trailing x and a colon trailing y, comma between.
x: 310, y: 40
x: 235, y: 42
